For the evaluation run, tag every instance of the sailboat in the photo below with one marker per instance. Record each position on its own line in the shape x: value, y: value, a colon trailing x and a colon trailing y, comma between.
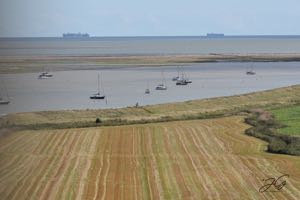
x: 45, y: 75
x: 98, y: 95
x: 183, y: 80
x: 250, y: 71
x: 3, y: 100
x: 161, y: 86
x: 176, y: 78
x: 147, y: 91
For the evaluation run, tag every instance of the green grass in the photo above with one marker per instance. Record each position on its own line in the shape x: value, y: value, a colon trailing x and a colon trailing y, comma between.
x: 290, y: 117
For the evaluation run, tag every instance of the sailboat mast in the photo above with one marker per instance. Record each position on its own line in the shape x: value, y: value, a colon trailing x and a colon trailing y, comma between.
x: 6, y: 92
x: 5, y: 89
x: 163, y: 77
x: 102, y: 87
x: 98, y: 83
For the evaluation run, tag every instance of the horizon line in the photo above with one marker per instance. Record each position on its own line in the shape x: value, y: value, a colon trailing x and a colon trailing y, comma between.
x: 140, y: 36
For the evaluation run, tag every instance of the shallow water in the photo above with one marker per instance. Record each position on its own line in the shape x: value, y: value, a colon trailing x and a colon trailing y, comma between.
x: 125, y: 87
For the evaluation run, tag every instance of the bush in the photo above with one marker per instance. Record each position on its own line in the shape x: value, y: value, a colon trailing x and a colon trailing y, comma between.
x: 277, y: 146
x: 98, y: 120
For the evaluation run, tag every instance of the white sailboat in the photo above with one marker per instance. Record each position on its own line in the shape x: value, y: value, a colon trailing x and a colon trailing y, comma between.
x: 45, y: 75
x: 98, y: 95
x: 250, y: 71
x: 176, y: 78
x: 162, y: 85
x: 4, y: 100
x: 184, y: 80
x: 147, y: 91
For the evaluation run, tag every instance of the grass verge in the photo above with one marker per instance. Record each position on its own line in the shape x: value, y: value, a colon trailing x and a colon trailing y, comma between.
x: 265, y: 127
x: 290, y: 117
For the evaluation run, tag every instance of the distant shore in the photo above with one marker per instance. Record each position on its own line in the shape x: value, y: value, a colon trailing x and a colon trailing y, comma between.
x: 26, y: 64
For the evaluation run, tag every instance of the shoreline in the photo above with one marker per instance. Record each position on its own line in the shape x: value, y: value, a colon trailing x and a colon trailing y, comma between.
x: 27, y: 64
x: 193, y: 109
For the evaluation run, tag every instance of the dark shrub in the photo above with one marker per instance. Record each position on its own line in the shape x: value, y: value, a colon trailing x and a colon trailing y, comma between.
x: 98, y: 120
x: 277, y: 145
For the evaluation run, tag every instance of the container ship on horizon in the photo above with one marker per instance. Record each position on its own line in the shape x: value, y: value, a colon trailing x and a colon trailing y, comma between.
x: 215, y: 35
x: 76, y: 35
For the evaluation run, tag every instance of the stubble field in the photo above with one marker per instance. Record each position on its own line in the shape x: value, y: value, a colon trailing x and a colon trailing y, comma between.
x: 199, y: 159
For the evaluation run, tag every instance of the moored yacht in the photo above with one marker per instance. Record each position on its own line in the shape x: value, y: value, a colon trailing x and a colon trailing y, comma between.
x: 98, y: 95
x: 181, y: 82
x: 162, y: 85
x: 45, y: 75
x: 250, y: 71
x: 188, y: 80
x: 147, y: 91
x: 176, y: 78
x: 4, y: 100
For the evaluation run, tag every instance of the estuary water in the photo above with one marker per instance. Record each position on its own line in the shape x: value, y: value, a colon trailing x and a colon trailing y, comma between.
x: 100, y: 46
x: 126, y: 86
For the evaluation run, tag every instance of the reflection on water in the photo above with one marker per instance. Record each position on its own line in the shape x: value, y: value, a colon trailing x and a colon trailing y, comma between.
x: 126, y: 87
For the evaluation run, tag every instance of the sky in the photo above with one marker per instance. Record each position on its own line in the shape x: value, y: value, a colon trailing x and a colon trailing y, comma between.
x: 51, y: 18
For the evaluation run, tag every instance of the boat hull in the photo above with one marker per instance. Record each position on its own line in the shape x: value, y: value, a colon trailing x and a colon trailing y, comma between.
x: 250, y: 73
x: 4, y: 102
x: 159, y: 88
x: 181, y: 83
x: 98, y: 97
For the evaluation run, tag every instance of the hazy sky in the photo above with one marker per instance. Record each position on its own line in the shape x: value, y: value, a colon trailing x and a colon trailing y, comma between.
x: 152, y: 17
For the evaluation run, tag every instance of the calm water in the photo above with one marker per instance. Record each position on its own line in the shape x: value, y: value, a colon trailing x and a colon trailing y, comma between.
x: 147, y: 45
x: 125, y: 87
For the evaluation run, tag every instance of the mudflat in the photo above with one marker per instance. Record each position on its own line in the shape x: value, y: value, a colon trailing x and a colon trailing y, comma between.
x: 21, y: 64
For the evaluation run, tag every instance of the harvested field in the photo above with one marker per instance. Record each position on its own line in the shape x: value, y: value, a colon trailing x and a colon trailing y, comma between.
x: 199, y: 159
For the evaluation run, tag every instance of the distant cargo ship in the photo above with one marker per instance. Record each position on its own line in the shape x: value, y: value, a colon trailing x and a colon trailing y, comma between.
x: 215, y: 35
x: 76, y: 35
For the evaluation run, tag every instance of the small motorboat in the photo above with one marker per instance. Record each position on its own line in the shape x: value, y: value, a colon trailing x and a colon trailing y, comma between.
x: 161, y: 87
